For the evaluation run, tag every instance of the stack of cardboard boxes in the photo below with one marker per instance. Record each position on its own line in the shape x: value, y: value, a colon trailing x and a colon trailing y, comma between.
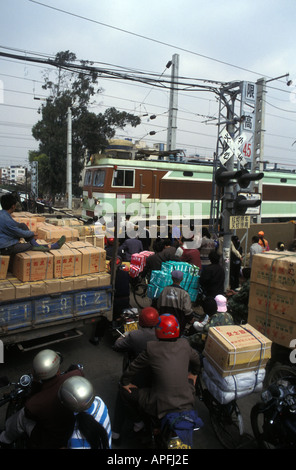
x: 77, y: 265
x: 272, y: 298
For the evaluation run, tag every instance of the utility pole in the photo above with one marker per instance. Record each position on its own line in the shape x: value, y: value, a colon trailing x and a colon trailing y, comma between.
x: 228, y: 194
x: 259, y: 134
x: 172, y: 120
x: 69, y: 158
x: 231, y: 181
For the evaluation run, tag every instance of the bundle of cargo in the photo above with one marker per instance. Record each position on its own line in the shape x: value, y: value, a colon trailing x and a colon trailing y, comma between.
x: 272, y: 296
x: 64, y: 221
x: 14, y: 289
x: 4, y: 262
x: 233, y: 349
x: 163, y: 278
x: 52, y: 233
x: 138, y: 262
x: 232, y: 387
x: 30, y: 222
x: 28, y: 215
x: 73, y: 259
x: 33, y: 266
x: 66, y: 262
x: 235, y: 360
x: 93, y: 258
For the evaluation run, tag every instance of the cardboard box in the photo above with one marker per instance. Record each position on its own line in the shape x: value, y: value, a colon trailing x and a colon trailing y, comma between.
x: 275, y: 269
x: 37, y: 288
x: 278, y: 302
x: 30, y: 222
x: 66, y: 262
x: 79, y: 282
x: 52, y: 233
x: 7, y: 291
x: 39, y: 218
x: 78, y: 244
x: 96, y: 241
x: 92, y: 281
x: 278, y: 330
x: 66, y: 284
x: 22, y: 290
x: 52, y: 286
x: 233, y: 349
x: 4, y: 262
x: 33, y: 266
x: 104, y: 279
x: 93, y: 260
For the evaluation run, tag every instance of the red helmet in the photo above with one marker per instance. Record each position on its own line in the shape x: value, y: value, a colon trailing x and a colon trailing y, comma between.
x: 148, y: 317
x: 167, y: 327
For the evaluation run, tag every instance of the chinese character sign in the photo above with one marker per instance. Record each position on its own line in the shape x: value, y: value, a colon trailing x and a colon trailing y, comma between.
x: 248, y: 112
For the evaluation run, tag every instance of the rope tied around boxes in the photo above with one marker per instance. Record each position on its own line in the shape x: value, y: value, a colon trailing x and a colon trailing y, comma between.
x: 234, y: 362
x: 269, y: 286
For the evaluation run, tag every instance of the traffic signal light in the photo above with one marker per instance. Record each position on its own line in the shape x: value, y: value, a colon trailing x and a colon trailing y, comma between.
x: 242, y: 203
x: 246, y: 177
x: 223, y: 177
x: 237, y: 203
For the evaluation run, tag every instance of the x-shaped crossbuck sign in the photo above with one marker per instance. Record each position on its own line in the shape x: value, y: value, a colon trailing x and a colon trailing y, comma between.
x: 233, y: 147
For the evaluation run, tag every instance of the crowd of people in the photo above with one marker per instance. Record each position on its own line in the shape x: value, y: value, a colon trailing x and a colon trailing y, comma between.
x: 64, y: 411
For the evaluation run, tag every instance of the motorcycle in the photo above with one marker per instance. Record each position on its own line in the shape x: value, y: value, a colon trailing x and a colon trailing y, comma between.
x: 128, y: 321
x: 15, y: 398
x: 273, y: 419
x: 175, y: 430
x: 226, y: 419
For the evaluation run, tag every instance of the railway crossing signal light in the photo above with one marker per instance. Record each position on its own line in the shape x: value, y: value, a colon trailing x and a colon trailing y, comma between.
x: 223, y: 177
x: 246, y: 177
x: 243, y: 178
x: 238, y: 203
x: 242, y: 203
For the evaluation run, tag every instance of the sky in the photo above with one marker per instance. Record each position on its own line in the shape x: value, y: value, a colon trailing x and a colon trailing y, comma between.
x: 223, y: 41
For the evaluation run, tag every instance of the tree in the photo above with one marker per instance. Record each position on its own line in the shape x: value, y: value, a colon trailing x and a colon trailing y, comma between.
x: 73, y: 88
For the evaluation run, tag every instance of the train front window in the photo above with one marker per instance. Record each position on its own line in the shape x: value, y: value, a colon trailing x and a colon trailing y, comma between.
x: 123, y: 178
x: 99, y: 178
x: 87, y: 178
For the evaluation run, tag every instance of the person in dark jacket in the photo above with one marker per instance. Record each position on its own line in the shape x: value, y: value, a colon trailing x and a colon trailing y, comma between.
x: 129, y: 247
x: 163, y: 252
x: 212, y: 277
x: 174, y: 366
x: 44, y: 420
x: 134, y: 343
x: 12, y: 231
x: 176, y: 300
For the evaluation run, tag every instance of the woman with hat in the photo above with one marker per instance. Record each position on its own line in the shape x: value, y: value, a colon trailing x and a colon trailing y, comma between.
x: 222, y: 317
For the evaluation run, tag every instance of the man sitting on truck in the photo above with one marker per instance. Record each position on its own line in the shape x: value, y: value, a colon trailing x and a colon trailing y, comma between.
x: 12, y: 231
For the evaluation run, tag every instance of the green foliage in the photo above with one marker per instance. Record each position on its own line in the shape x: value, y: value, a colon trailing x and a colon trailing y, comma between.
x: 74, y: 87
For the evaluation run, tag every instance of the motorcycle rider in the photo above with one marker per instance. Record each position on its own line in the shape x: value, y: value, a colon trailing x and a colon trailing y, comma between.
x: 134, y: 343
x: 92, y: 429
x: 176, y: 300
x: 170, y: 359
x: 43, y: 419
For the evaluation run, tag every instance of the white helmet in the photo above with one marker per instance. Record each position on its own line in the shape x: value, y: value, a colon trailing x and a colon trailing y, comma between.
x: 46, y: 364
x: 76, y: 393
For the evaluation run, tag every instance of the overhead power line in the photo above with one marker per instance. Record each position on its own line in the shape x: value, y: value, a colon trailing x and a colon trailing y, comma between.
x: 148, y: 78
x: 91, y: 20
